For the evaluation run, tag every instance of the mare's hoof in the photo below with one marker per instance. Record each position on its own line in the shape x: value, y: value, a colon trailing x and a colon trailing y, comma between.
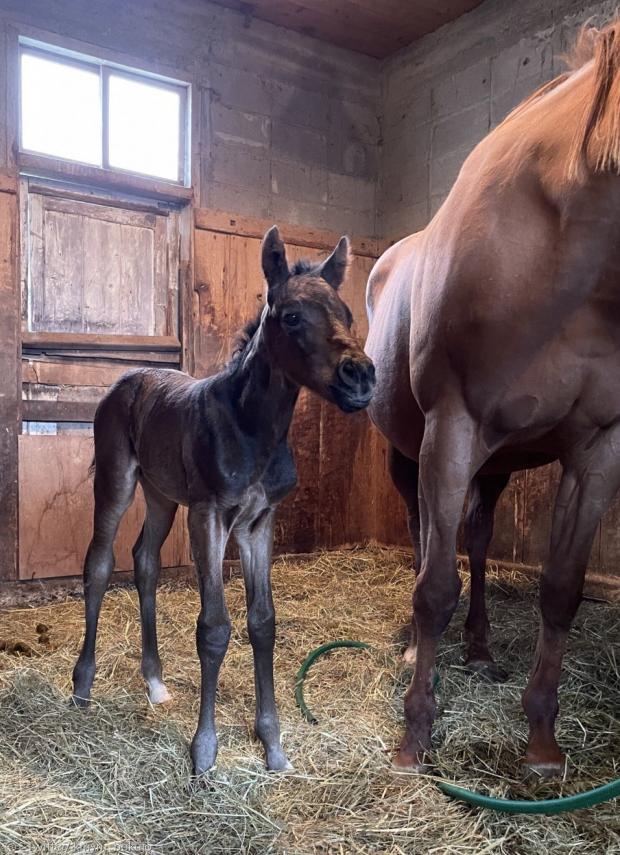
x: 405, y: 762
x: 488, y: 670
x: 158, y: 693
x: 545, y: 767
x: 78, y: 701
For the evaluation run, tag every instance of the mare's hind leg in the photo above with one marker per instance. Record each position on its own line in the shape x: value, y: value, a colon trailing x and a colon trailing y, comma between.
x: 590, y: 480
x: 404, y: 473
x: 114, y: 488
x: 483, y: 495
x: 160, y: 513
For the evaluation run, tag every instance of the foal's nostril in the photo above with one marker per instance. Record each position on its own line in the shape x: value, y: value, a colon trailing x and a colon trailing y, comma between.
x: 349, y: 373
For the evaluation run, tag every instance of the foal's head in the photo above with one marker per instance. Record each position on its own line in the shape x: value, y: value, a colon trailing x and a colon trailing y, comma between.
x: 307, y: 325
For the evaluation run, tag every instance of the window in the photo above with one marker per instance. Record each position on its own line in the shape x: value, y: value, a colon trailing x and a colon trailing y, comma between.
x: 93, y: 112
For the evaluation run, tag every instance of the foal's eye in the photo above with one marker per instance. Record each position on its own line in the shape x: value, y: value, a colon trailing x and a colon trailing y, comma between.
x: 291, y: 320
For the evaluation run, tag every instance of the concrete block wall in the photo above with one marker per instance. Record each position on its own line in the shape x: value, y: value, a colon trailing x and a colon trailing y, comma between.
x: 285, y: 126
x: 294, y: 129
x: 444, y: 93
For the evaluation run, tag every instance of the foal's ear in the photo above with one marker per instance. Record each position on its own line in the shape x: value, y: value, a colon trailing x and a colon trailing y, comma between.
x: 273, y: 257
x: 334, y: 268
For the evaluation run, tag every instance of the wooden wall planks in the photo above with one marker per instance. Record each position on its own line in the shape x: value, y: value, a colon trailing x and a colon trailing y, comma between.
x: 56, y: 508
x: 10, y: 387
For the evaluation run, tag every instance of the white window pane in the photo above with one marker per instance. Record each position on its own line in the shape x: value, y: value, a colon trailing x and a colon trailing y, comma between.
x: 144, y: 127
x: 60, y: 109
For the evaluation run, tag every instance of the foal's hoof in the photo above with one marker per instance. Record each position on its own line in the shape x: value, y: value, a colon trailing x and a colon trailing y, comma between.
x: 277, y: 761
x: 204, y: 752
x: 78, y: 701
x: 488, y: 670
x: 158, y: 693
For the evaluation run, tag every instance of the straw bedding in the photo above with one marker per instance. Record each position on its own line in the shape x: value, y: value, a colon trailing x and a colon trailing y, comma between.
x: 116, y: 778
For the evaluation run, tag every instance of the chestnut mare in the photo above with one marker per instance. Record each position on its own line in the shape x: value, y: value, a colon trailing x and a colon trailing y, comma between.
x: 495, y: 334
x: 219, y: 446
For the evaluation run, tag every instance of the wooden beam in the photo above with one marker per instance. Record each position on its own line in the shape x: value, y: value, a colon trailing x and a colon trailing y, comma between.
x: 154, y: 188
x: 255, y: 227
x: 10, y: 383
x: 98, y: 342
x: 58, y: 411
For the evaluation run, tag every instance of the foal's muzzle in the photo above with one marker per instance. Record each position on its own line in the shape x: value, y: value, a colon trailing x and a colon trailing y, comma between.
x: 354, y: 382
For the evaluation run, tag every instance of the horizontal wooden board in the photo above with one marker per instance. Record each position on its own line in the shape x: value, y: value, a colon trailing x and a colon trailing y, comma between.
x: 300, y: 236
x: 58, y: 411
x: 49, y: 167
x: 99, y: 342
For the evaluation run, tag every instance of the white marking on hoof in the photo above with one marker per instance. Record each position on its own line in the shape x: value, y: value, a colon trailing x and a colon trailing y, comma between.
x: 158, y: 693
x: 410, y: 655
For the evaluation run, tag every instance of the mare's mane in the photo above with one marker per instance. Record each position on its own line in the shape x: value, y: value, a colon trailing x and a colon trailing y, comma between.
x: 596, y: 140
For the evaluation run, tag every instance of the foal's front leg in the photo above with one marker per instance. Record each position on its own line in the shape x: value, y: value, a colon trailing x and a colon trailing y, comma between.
x: 255, y: 547
x: 208, y: 536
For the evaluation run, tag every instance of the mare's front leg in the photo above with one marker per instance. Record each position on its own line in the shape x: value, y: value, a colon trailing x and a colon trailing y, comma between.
x: 448, y: 458
x: 255, y: 547
x: 208, y: 535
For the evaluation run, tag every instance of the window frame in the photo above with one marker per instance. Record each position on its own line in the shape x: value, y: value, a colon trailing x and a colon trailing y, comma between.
x: 106, y: 68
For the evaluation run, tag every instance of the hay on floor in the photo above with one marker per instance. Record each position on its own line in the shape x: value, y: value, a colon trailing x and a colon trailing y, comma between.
x: 117, y: 777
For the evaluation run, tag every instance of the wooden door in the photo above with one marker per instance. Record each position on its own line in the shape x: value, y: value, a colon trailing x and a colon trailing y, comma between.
x: 100, y: 295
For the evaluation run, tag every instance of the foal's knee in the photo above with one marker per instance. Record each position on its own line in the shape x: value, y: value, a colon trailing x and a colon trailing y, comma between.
x: 262, y: 627
x: 212, y: 636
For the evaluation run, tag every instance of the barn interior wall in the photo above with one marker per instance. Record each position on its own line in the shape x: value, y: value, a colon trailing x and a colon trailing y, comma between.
x: 445, y: 92
x: 285, y: 126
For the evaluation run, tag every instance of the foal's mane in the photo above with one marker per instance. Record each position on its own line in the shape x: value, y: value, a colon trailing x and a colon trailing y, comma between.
x: 596, y: 139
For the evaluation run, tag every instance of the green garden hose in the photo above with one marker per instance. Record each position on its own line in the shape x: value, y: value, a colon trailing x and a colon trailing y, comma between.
x: 604, y: 793
x: 580, y: 800
x: 301, y: 674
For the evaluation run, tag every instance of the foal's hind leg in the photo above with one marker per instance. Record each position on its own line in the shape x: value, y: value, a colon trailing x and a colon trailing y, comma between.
x: 160, y: 513
x: 115, y: 484
x: 483, y: 495
x: 255, y: 545
x: 404, y: 473
x: 589, y: 483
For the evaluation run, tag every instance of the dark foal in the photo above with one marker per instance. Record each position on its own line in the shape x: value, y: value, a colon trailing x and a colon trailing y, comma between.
x: 219, y: 446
